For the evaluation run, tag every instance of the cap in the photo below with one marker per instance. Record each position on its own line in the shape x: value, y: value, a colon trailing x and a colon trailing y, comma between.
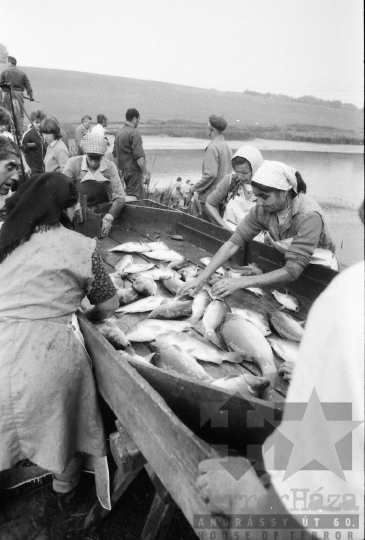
x: 218, y: 122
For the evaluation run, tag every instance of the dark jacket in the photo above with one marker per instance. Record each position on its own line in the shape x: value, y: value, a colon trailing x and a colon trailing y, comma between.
x: 128, y: 148
x: 18, y: 79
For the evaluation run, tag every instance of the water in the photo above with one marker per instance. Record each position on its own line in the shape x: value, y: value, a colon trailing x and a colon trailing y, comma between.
x: 334, y: 179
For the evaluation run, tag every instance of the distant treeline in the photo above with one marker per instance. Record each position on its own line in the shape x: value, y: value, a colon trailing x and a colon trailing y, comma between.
x: 311, y: 100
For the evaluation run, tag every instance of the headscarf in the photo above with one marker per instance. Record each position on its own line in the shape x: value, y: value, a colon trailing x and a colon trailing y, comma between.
x: 91, y: 143
x: 276, y: 175
x: 255, y: 159
x: 39, y: 202
x: 218, y: 122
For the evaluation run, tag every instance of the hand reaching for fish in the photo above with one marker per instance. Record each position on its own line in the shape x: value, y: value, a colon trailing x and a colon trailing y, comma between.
x: 226, y: 286
x: 191, y: 287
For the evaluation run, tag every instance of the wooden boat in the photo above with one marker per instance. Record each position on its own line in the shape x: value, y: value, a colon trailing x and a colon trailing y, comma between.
x: 174, y: 420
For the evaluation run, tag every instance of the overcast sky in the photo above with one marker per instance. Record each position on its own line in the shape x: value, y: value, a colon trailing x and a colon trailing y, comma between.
x: 293, y: 47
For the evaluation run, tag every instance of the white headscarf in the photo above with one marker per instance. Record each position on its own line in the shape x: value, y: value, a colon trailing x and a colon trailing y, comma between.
x: 276, y: 175
x: 253, y: 156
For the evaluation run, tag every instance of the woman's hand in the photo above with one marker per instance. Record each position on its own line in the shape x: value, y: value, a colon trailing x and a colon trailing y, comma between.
x: 191, y: 287
x: 226, y: 286
x: 106, y: 224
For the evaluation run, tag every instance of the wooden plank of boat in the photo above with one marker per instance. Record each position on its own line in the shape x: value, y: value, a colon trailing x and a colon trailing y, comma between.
x: 172, y: 449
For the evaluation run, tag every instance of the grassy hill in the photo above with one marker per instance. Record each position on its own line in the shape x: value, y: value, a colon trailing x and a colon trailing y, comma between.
x: 69, y: 94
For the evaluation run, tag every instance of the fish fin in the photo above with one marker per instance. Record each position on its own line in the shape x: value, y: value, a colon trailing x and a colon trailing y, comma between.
x: 234, y: 357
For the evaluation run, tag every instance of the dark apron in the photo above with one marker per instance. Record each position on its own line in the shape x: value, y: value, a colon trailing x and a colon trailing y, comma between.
x: 96, y: 192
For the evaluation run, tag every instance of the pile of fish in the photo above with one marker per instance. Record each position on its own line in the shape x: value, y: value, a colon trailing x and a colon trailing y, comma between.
x: 182, y: 331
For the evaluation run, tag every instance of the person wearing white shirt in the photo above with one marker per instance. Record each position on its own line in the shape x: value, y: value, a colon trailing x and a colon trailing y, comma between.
x: 99, y: 129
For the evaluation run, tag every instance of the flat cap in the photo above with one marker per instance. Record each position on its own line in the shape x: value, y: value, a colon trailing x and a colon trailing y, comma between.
x: 218, y: 122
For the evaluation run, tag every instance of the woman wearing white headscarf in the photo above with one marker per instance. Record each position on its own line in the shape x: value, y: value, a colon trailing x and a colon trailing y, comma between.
x: 233, y: 197
x: 292, y: 222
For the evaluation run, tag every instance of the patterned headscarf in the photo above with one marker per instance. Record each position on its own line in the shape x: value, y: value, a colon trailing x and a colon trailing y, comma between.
x: 92, y: 143
x: 276, y: 175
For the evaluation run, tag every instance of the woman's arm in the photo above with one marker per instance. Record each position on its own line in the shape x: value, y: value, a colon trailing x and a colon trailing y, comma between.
x: 104, y: 310
x: 214, y: 216
x: 62, y: 156
x: 222, y: 256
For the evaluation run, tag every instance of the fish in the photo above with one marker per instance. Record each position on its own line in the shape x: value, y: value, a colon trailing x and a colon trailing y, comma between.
x: 164, y: 255
x: 258, y: 319
x: 159, y: 273
x: 234, y: 275
x: 243, y: 384
x: 127, y: 296
x: 206, y: 261
x: 122, y: 263
x: 172, y: 358
x: 157, y: 246
x: 150, y: 329
x: 135, y: 268
x: 144, y: 359
x: 255, y: 290
x: 172, y: 310
x: 200, y: 303
x: 178, y: 265
x: 286, y: 326
x: 145, y: 286
x: 176, y: 237
x: 212, y: 320
x: 249, y: 270
x: 113, y: 334
x: 172, y: 284
x: 287, y: 349
x: 189, y: 272
x: 117, y: 280
x: 244, y: 337
x: 131, y: 247
x: 288, y: 301
x: 140, y: 306
x: 200, y: 348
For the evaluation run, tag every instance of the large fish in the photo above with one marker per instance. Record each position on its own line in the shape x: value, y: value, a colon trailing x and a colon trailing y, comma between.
x: 244, y: 337
x: 113, y: 334
x: 145, y: 304
x: 189, y: 272
x: 178, y: 265
x: 144, y: 359
x: 122, y: 263
x: 258, y: 319
x: 287, y: 349
x: 117, y: 280
x: 245, y: 384
x: 172, y: 284
x: 286, y: 326
x: 174, y: 358
x: 160, y: 273
x: 149, y: 329
x: 257, y: 291
x: 127, y: 296
x: 221, y: 270
x: 157, y: 246
x: 135, y: 268
x: 172, y: 310
x: 212, y: 320
x: 289, y: 302
x: 200, y: 303
x: 200, y: 348
x: 164, y: 255
x: 131, y: 247
x: 145, y: 286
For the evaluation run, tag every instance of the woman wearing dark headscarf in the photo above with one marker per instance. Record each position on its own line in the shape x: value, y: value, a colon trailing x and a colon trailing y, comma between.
x: 48, y: 401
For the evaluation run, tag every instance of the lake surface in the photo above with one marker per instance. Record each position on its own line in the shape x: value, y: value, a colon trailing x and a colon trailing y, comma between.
x: 334, y: 175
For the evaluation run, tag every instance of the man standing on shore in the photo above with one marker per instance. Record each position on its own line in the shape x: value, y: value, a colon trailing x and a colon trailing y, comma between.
x: 217, y: 160
x: 81, y: 130
x: 131, y: 161
x: 19, y: 82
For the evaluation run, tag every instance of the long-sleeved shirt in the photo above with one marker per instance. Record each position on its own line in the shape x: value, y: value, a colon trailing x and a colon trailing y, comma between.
x: 18, y: 79
x: 56, y: 156
x: 128, y: 148
x: 216, y: 165
x: 304, y: 223
x: 80, y: 131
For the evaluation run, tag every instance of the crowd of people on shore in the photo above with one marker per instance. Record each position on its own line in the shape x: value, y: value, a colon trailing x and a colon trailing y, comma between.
x: 48, y: 269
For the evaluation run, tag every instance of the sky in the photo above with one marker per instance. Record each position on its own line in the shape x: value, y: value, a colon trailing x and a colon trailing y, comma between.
x: 291, y: 47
